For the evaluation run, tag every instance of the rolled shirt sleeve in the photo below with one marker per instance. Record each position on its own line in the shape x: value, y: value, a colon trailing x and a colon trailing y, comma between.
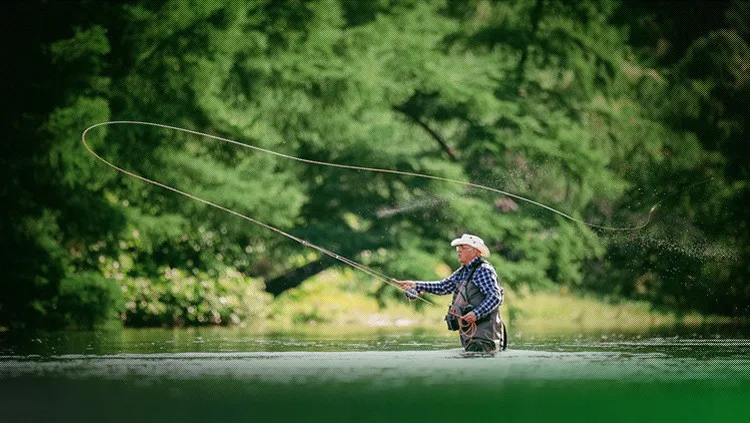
x: 445, y: 286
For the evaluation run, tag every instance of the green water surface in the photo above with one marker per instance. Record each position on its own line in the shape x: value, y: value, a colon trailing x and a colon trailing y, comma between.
x: 364, y: 374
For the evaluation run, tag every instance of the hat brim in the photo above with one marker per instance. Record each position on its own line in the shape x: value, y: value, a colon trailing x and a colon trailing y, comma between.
x: 483, y: 250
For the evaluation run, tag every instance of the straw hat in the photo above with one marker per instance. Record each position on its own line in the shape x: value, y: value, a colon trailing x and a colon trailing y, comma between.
x: 472, y: 241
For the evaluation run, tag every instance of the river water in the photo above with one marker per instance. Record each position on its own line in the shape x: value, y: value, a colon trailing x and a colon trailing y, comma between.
x: 335, y: 374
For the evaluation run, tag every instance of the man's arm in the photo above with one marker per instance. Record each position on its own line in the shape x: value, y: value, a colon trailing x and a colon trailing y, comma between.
x: 445, y: 286
x: 486, y: 281
x: 442, y: 287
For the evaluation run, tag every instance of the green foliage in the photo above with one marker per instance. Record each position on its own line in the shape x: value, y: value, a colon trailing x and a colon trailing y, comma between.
x: 584, y: 106
x: 88, y: 299
x: 694, y: 256
x: 180, y: 298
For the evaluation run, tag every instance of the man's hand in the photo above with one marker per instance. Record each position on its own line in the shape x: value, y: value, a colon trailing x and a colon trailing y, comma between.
x: 469, y: 317
x: 406, y: 285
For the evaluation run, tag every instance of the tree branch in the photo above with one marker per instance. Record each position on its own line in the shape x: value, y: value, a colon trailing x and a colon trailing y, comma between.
x: 450, y: 151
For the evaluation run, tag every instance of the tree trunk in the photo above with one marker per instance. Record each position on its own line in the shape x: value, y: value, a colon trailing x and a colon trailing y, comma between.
x: 295, y: 277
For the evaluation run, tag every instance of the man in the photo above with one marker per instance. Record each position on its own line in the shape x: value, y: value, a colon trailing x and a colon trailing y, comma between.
x: 474, y: 310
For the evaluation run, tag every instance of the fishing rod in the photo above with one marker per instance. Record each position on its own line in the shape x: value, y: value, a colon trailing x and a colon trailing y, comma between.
x: 387, y: 279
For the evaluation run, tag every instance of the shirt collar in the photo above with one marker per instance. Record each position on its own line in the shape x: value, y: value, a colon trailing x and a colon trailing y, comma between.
x: 475, y: 261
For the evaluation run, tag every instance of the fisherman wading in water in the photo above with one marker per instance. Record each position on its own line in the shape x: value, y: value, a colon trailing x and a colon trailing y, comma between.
x: 474, y: 311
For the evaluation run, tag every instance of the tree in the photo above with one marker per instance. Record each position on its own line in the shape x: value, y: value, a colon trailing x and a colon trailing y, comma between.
x: 695, y: 256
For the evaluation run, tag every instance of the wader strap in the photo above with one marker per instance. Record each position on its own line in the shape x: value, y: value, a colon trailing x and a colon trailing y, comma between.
x: 505, y: 335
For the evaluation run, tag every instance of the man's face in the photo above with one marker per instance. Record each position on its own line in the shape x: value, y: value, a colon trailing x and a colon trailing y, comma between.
x: 466, y: 253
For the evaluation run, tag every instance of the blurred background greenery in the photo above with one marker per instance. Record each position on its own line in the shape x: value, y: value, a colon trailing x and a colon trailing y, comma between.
x: 601, y: 109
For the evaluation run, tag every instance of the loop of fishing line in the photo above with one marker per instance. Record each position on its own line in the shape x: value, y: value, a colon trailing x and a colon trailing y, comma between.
x: 375, y: 274
x: 466, y: 329
x: 389, y: 280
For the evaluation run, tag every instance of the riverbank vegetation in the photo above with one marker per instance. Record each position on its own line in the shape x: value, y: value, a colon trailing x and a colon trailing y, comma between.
x: 329, y: 299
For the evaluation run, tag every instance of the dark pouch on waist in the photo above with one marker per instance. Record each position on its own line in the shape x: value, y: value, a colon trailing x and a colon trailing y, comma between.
x: 451, y: 319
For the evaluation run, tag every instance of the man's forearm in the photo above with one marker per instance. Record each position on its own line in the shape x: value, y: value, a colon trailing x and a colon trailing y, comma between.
x: 437, y: 287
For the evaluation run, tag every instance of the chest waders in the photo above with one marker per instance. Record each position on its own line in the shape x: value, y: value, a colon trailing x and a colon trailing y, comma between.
x: 490, y: 333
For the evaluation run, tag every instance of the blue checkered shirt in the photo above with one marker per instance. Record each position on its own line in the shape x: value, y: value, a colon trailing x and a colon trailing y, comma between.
x: 484, y: 278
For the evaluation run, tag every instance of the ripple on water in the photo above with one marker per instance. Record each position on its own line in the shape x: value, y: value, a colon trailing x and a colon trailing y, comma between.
x: 428, y: 367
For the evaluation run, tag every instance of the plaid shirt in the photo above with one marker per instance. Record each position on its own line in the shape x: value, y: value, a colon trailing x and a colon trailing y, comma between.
x: 484, y: 278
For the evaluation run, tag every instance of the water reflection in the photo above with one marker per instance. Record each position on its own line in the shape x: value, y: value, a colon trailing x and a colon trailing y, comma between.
x: 707, y: 341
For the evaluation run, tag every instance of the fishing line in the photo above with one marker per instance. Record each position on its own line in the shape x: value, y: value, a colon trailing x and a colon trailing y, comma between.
x: 387, y: 279
x: 375, y: 274
x: 391, y: 171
